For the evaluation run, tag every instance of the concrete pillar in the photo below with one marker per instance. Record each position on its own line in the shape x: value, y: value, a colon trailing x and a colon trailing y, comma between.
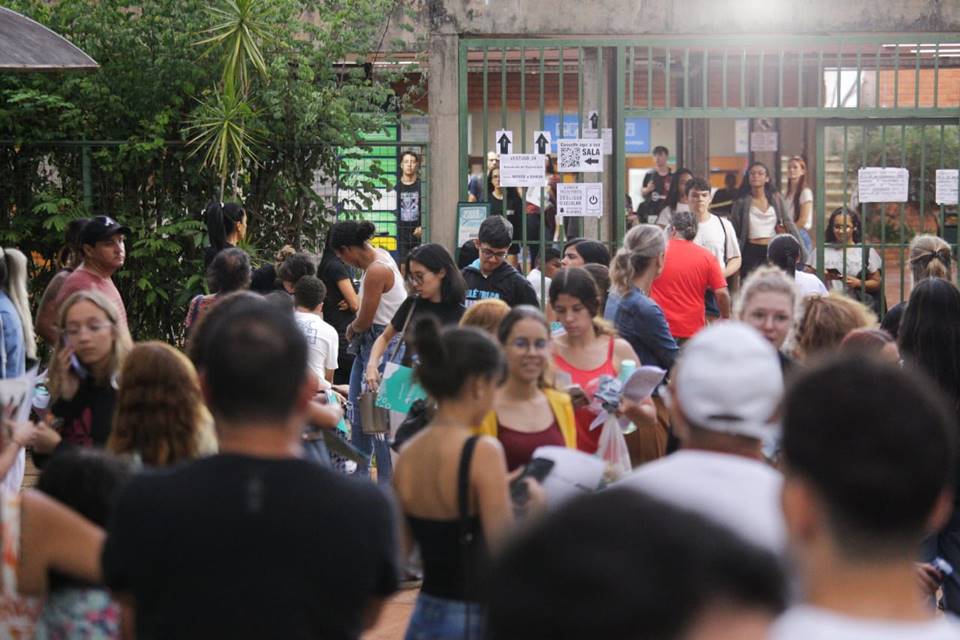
x: 443, y: 98
x: 593, y: 83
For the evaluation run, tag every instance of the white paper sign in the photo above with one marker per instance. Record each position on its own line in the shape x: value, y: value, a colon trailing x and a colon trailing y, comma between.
x: 503, y: 141
x: 741, y: 134
x: 877, y: 184
x: 580, y: 155
x: 946, y: 186
x: 542, y: 141
x: 607, y: 142
x: 522, y: 170
x: 764, y: 141
x: 580, y: 199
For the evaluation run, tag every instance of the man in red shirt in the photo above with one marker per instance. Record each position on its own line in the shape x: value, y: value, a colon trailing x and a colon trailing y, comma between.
x: 688, y: 273
x: 103, y: 254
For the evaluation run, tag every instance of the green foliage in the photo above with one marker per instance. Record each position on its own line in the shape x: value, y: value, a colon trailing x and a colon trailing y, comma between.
x: 297, y: 102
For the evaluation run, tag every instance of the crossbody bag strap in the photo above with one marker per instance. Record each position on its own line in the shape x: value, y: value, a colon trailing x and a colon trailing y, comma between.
x: 463, y: 481
x: 403, y: 332
x: 724, y: 228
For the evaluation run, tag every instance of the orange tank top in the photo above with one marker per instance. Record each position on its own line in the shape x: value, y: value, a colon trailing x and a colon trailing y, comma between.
x: 589, y: 381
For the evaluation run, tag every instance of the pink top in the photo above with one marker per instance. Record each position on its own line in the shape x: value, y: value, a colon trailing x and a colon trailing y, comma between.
x: 83, y: 280
x: 589, y: 381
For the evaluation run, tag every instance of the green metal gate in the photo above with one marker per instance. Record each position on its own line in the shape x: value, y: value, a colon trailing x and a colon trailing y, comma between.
x: 893, y: 91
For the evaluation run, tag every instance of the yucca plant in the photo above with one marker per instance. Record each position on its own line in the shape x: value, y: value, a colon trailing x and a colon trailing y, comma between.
x: 224, y: 126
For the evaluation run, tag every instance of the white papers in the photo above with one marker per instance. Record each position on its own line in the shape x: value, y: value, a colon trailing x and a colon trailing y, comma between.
x: 580, y: 155
x: 574, y: 473
x: 878, y: 184
x: 580, y: 199
x: 946, y: 186
x: 522, y: 170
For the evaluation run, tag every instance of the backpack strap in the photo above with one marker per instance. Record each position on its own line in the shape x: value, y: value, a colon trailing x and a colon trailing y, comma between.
x: 463, y: 482
x: 724, y: 228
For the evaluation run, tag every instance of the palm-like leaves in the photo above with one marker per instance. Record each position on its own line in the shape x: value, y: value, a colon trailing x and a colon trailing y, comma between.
x: 243, y: 26
x: 224, y: 126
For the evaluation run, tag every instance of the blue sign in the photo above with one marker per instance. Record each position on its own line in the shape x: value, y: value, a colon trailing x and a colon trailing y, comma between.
x: 636, y: 131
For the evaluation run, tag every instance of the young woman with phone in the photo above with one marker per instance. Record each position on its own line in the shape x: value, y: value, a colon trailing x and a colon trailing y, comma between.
x: 83, y: 373
x: 527, y: 413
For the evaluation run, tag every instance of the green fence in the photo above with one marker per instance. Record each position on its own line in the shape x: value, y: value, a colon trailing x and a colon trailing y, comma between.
x: 900, y: 93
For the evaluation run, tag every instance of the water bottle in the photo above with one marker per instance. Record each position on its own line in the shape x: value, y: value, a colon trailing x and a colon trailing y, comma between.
x: 627, y: 367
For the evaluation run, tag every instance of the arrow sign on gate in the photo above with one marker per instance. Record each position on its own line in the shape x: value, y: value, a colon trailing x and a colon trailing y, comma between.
x: 504, y: 140
x: 594, y: 119
x: 541, y: 140
x: 592, y: 161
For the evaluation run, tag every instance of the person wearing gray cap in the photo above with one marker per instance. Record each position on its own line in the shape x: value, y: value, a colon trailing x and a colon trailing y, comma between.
x: 102, y: 244
x: 723, y: 398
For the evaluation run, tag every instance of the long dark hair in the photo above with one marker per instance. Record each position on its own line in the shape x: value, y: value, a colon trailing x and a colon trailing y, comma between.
x: 768, y: 189
x: 222, y: 220
x: 929, y: 334
x: 351, y: 233
x: 436, y: 258
x: 578, y: 283
x: 673, y: 196
x: 449, y: 358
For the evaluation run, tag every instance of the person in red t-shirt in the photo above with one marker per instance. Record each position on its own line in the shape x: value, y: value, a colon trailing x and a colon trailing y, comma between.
x: 101, y: 241
x: 688, y: 273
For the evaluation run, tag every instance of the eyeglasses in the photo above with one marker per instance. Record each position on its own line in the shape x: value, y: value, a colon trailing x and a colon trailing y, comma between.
x: 490, y: 253
x: 75, y: 331
x: 842, y: 226
x: 416, y: 278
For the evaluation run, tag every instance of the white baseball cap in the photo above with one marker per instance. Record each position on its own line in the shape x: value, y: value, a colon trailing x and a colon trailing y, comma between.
x: 728, y: 379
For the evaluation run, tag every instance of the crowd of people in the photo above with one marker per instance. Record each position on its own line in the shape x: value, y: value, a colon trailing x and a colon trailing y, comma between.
x: 794, y: 475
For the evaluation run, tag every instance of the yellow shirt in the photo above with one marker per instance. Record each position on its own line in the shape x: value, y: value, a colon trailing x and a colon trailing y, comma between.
x: 562, y: 410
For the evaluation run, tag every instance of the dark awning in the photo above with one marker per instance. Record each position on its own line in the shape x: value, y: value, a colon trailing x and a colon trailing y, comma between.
x: 26, y: 45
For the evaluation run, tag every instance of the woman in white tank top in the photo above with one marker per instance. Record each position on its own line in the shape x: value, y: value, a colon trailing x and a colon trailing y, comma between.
x: 381, y: 294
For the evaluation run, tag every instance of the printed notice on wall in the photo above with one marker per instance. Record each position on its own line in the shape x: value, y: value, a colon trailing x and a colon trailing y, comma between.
x: 522, y: 170
x: 580, y: 199
x: 580, y: 155
x: 947, y: 186
x: 878, y: 184
x: 764, y: 141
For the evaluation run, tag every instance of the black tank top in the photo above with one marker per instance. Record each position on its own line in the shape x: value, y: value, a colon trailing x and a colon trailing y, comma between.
x: 452, y: 550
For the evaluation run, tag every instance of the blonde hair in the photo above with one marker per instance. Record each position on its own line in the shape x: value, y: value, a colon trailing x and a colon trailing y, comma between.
x: 765, y: 279
x: 121, y: 338
x: 16, y: 289
x: 641, y: 246
x: 486, y: 315
x: 826, y: 321
x: 930, y: 257
x: 160, y: 414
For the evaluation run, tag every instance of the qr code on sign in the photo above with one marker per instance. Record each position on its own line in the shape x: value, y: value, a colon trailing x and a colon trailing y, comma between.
x: 569, y: 155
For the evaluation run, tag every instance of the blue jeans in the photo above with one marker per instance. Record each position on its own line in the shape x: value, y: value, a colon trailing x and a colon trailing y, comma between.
x: 364, y: 443
x: 441, y: 619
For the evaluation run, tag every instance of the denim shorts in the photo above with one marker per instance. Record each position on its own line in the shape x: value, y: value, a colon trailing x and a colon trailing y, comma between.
x: 441, y: 619
x: 710, y: 304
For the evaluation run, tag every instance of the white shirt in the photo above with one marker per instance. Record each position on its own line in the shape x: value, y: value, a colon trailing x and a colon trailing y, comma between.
x: 809, y: 285
x: 812, y: 623
x: 323, y: 344
x: 833, y: 258
x: 805, y: 196
x: 738, y: 493
x: 534, y: 279
x: 392, y: 299
x: 665, y: 219
x: 763, y: 224
x: 711, y: 236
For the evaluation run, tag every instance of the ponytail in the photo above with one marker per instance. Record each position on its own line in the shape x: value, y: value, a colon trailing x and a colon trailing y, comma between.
x: 641, y: 246
x: 351, y: 233
x: 930, y: 257
x: 222, y: 220
x: 448, y: 359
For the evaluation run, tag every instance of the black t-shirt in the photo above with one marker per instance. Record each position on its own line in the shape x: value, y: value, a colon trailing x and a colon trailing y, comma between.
x: 408, y: 202
x: 445, y: 313
x: 332, y: 272
x: 657, y: 199
x: 239, y: 547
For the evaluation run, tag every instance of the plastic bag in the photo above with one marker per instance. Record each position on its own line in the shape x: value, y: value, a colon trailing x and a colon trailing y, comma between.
x: 612, y: 446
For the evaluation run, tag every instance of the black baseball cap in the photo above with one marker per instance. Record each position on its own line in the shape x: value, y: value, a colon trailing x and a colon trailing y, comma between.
x: 101, y: 228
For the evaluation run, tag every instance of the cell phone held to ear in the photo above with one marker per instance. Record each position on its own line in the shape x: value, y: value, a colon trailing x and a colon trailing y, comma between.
x: 537, y: 469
